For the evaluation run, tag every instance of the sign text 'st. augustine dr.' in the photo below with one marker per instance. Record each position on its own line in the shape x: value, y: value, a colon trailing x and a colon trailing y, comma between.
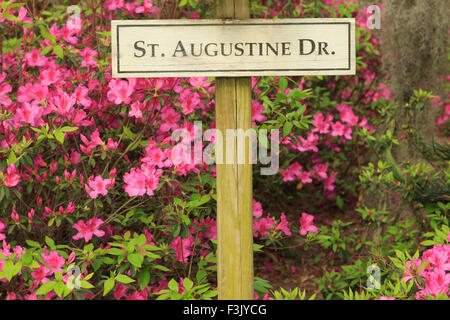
x: 238, y: 49
x: 164, y: 48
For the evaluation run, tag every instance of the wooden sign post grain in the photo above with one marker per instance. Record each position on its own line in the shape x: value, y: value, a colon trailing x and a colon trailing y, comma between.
x: 232, y: 48
x: 234, y: 181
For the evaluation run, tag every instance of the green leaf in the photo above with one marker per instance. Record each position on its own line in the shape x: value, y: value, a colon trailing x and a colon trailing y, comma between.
x: 59, y: 136
x: 86, y: 285
x: 49, y: 241
x: 339, y: 202
x: 69, y: 129
x: 59, y: 288
x: 136, y: 259
x: 8, y: 269
x: 107, y: 286
x: 173, y: 285
x: 428, y: 243
x: 58, y: 276
x: 124, y: 279
x: 143, y: 279
x: 12, y: 158
x: 287, y: 128
x: 282, y: 83
x: 47, y: 35
x: 115, y: 251
x: 200, y: 276
x: 43, y: 53
x: 32, y: 243
x: 46, y: 287
x: 58, y: 51
x: 187, y: 283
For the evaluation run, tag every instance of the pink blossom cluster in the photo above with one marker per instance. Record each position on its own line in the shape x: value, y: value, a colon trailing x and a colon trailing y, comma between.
x: 436, y: 275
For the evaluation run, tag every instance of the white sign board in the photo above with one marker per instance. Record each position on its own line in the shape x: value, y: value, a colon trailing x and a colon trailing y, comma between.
x: 232, y: 48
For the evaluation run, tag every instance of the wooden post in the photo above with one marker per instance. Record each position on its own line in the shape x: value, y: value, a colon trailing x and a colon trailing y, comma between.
x: 234, y: 181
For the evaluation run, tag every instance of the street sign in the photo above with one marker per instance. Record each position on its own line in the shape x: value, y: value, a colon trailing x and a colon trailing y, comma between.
x: 233, y: 48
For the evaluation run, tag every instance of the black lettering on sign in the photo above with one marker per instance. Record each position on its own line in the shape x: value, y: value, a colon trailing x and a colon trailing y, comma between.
x: 214, y: 52
x: 274, y: 50
x: 302, y: 46
x: 239, y: 48
x: 139, y: 49
x: 222, y: 49
x: 323, y: 46
x: 180, y: 48
x: 153, y: 45
x: 251, y: 44
x: 285, y: 50
x: 193, y: 51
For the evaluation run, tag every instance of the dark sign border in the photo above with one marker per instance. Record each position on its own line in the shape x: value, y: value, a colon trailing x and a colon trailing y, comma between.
x: 233, y: 70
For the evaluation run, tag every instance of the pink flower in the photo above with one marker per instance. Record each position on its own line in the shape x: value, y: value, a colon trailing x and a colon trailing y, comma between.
x: 40, y: 274
x: 98, y: 186
x: 88, y: 58
x: 189, y: 102
x: 283, y: 225
x: 111, y: 144
x: 263, y: 226
x: 169, y: 119
x: 385, y: 298
x: 306, y: 223
x: 53, y: 261
x: 81, y: 96
x: 321, y: 125
x: 88, y: 229
x: 135, y: 183
x: 114, y: 4
x: 34, y: 59
x: 412, y: 268
x: 135, y: 110
x: 291, y: 173
x: 49, y: 76
x: 347, y: 114
x: 321, y: 170
x: 154, y: 156
x: 182, y: 246
x: 15, y: 216
x: 148, y: 8
x: 95, y: 141
x: 257, y: 209
x: 141, y: 181
x: 2, y: 229
x: 436, y: 282
x: 257, y: 112
x: 337, y: 129
x: 438, y: 257
x: 23, y: 15
x: 328, y: 183
x: 5, y: 88
x: 69, y: 35
x: 74, y: 23
x: 12, y: 178
x: 305, y: 176
x: 120, y: 91
x: 64, y: 103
